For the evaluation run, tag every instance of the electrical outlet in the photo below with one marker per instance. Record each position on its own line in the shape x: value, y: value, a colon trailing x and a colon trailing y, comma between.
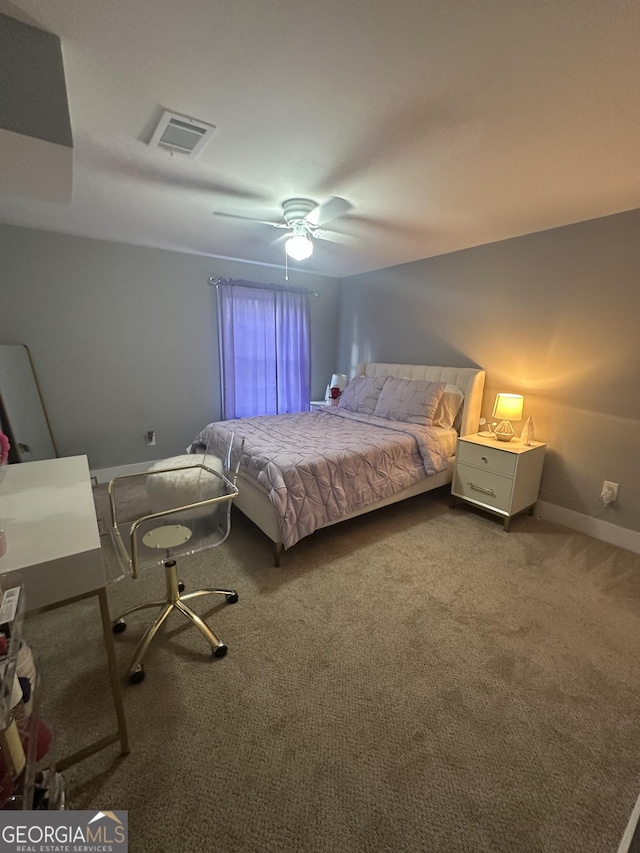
x: 150, y: 438
x: 609, y: 492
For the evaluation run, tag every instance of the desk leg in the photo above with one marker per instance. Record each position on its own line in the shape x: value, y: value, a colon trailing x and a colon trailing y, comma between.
x: 113, y: 672
x: 121, y: 735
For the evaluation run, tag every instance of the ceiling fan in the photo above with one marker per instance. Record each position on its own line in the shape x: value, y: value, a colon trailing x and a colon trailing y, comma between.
x: 305, y: 220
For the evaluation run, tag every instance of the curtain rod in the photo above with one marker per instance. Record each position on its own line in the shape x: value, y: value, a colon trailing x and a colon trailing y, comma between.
x: 214, y: 280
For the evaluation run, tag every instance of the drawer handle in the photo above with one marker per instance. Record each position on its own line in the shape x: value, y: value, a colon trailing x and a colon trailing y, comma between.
x: 482, y: 489
x: 484, y: 459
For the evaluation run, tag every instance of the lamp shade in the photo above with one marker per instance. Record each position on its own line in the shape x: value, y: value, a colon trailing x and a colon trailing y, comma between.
x: 339, y: 380
x: 508, y: 407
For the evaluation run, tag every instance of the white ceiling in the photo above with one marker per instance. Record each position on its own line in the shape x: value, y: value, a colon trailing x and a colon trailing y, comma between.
x: 445, y: 123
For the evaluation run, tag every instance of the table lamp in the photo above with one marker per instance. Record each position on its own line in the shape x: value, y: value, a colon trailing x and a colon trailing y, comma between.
x: 507, y: 407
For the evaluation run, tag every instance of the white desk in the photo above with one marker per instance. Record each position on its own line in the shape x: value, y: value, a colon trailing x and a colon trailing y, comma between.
x: 53, y: 548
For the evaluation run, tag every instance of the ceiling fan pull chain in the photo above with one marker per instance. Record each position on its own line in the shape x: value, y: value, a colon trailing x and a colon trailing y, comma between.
x: 286, y: 266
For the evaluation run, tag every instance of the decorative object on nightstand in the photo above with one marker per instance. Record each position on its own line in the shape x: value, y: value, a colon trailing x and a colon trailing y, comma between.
x: 527, y: 436
x: 336, y: 387
x: 507, y: 407
x: 502, y: 479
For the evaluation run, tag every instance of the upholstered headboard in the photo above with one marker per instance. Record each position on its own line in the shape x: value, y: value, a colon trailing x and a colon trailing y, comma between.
x: 468, y: 379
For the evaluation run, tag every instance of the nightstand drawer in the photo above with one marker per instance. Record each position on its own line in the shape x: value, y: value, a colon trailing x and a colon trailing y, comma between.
x: 484, y: 487
x: 489, y: 458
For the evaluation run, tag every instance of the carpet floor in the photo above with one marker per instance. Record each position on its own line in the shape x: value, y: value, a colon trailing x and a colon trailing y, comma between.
x: 413, y: 680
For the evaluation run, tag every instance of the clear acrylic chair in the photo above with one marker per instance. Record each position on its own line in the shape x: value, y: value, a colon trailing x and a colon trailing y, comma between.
x: 179, y: 507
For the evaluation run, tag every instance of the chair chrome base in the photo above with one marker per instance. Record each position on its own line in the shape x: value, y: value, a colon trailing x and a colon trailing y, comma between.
x: 173, y: 601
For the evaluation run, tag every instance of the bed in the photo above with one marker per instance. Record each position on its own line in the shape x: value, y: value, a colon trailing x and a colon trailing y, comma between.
x: 392, y: 437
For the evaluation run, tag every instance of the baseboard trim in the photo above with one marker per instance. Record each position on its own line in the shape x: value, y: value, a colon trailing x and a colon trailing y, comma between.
x: 603, y: 530
x: 103, y: 475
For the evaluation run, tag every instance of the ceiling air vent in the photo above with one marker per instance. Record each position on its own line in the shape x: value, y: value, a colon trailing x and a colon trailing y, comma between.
x: 181, y: 133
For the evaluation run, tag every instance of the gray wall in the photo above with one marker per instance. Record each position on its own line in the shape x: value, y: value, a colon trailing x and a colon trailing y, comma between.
x: 33, y: 97
x: 552, y: 315
x: 124, y: 338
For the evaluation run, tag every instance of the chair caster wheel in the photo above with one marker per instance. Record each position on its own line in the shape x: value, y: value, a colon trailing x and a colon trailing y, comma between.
x: 231, y: 597
x: 137, y: 675
x: 119, y: 626
x: 180, y: 586
x: 220, y: 651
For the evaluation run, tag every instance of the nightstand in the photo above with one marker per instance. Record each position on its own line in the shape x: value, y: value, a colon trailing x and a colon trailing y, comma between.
x: 500, y: 477
x: 317, y: 405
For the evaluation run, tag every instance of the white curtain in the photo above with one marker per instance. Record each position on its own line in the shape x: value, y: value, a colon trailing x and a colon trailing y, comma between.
x: 264, y: 349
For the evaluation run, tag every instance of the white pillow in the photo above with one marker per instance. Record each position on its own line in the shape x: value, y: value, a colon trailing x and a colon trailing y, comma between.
x: 361, y: 394
x: 413, y: 401
x: 448, y: 407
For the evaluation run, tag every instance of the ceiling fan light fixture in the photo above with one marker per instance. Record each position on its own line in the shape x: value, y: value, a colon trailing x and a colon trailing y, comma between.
x: 299, y: 245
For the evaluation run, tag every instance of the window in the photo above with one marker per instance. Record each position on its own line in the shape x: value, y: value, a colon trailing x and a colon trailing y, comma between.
x: 264, y: 349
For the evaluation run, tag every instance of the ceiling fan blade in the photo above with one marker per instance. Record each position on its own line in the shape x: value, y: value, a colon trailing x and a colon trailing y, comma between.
x: 250, y: 219
x: 328, y: 210
x: 434, y: 124
x: 334, y: 237
x: 161, y: 172
x: 402, y: 229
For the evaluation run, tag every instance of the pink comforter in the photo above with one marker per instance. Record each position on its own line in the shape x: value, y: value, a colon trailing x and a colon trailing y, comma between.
x: 317, y: 467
